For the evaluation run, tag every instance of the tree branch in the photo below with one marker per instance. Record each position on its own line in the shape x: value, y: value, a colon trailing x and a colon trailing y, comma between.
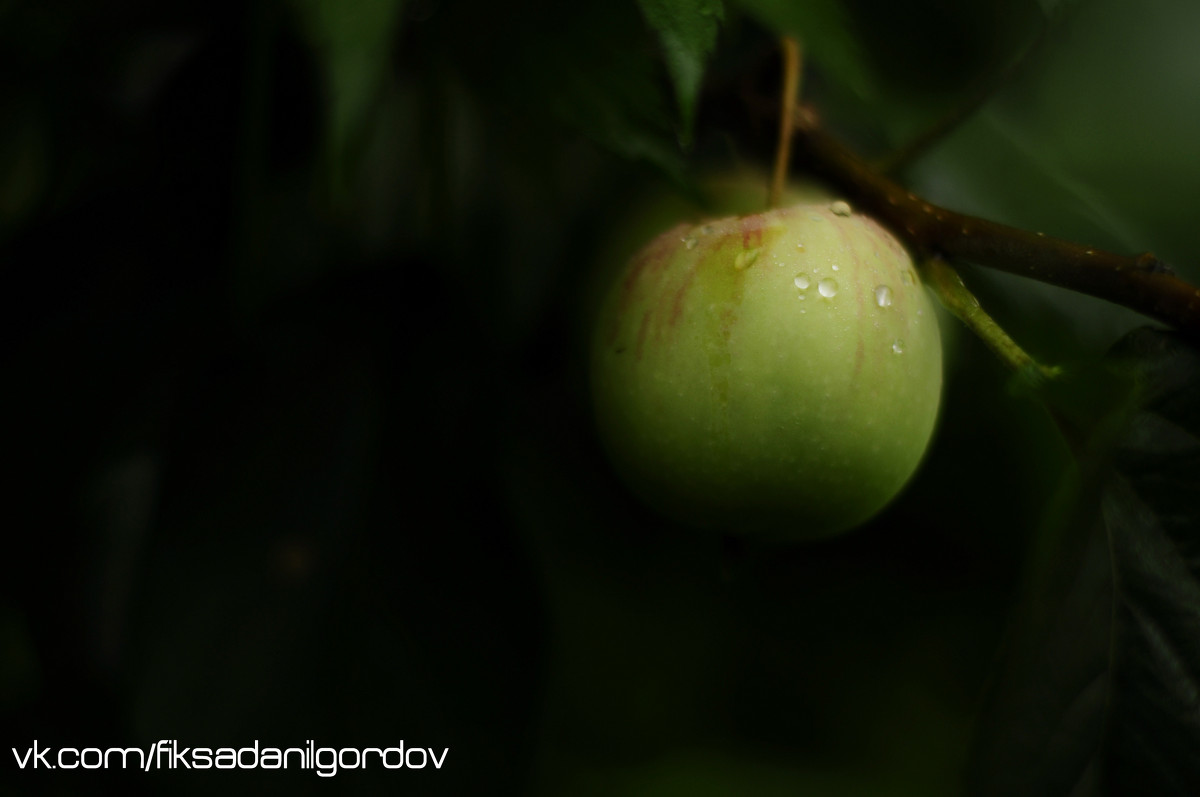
x: 1141, y: 282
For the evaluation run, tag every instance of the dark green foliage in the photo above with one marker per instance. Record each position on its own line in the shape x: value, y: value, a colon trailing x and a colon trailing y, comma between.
x: 687, y: 30
x: 295, y: 295
x: 1098, y: 695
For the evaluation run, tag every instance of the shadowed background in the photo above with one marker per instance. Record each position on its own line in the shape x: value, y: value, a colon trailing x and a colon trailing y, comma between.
x: 296, y: 405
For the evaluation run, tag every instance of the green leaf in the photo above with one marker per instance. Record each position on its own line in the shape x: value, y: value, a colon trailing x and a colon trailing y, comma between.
x: 354, y: 41
x: 687, y: 30
x: 825, y: 30
x: 589, y: 66
x: 1101, y: 690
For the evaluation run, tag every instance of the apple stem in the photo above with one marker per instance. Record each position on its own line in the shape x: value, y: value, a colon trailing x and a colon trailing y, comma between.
x: 1140, y: 282
x: 791, y: 90
x: 958, y: 299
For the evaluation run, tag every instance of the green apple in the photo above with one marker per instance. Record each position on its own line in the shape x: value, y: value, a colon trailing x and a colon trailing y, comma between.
x: 644, y: 215
x: 774, y: 373
x: 715, y: 194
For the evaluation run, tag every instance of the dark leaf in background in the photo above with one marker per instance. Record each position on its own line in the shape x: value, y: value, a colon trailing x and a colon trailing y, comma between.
x: 827, y: 34
x: 354, y: 39
x: 687, y: 30
x: 593, y: 68
x: 1101, y: 693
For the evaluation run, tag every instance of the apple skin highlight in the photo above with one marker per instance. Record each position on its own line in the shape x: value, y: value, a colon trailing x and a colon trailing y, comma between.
x: 777, y: 373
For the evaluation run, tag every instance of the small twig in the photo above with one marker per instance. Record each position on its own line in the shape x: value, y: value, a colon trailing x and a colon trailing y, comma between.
x: 1141, y: 282
x: 959, y: 300
x: 791, y: 88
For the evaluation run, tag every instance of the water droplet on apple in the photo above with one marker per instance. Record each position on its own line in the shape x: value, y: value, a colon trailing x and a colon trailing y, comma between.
x: 745, y: 259
x: 840, y: 208
x: 835, y: 266
x: 907, y: 277
x: 883, y: 296
x: 802, y: 281
x: 689, y: 242
x: 898, y: 346
x: 800, y: 247
x: 706, y: 229
x: 828, y: 288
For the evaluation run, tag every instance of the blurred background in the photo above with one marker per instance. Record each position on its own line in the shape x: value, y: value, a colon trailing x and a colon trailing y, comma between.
x: 294, y: 312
